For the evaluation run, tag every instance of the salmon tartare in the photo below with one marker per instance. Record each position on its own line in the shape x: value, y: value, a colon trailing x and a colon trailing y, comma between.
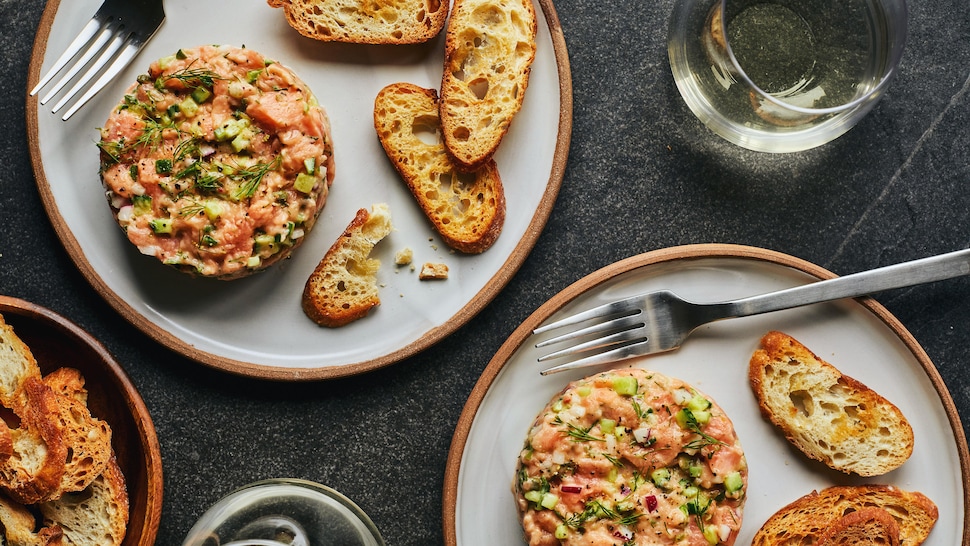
x: 217, y: 161
x: 631, y: 457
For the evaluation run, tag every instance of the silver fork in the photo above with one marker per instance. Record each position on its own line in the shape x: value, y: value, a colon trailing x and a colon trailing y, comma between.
x: 660, y: 321
x: 115, y: 34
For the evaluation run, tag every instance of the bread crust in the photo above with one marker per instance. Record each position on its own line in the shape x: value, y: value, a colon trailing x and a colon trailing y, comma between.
x: 343, y: 286
x: 490, y: 46
x: 803, y: 521
x: 365, y: 22
x: 872, y: 526
x: 829, y: 416
x: 467, y: 210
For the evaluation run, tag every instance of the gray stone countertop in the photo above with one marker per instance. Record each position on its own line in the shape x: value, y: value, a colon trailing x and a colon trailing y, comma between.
x: 642, y: 174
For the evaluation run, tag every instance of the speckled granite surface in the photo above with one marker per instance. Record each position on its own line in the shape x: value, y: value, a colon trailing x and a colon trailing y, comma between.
x: 642, y: 174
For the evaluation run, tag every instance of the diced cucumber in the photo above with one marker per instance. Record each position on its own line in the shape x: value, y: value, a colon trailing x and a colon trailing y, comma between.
x: 699, y: 403
x: 200, y: 94
x: 213, y: 208
x: 562, y: 531
x: 163, y: 166
x: 161, y: 225
x: 625, y: 385
x: 230, y: 129
x: 189, y: 107
x: 141, y: 203
x: 241, y: 142
x: 607, y: 425
x: 310, y: 164
x: 733, y: 482
x: 549, y: 501
x: 710, y: 534
x: 264, y: 240
x: 305, y: 183
x: 660, y: 476
x: 166, y: 61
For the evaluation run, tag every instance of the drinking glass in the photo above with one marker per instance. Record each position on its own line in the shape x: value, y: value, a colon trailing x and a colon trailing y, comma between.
x: 284, y: 512
x: 784, y: 75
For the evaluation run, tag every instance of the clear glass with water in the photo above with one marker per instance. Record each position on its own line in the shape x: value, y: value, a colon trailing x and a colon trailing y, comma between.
x: 284, y: 512
x: 784, y: 75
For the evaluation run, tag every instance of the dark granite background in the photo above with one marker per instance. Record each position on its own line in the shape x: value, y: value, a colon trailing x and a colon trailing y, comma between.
x: 642, y: 174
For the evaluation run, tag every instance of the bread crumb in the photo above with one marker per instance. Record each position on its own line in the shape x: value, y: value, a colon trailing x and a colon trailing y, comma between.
x: 433, y: 271
x: 404, y: 256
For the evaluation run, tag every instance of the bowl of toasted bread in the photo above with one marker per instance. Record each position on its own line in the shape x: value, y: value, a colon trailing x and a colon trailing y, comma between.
x: 79, y: 457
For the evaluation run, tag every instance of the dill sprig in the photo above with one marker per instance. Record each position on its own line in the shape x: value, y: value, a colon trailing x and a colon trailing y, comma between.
x: 578, y: 433
x: 191, y: 77
x: 251, y: 177
x: 690, y: 422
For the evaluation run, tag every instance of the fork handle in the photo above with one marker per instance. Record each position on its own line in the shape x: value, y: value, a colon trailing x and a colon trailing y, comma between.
x: 925, y: 270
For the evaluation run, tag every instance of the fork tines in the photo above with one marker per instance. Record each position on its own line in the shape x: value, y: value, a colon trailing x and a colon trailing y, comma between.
x: 106, y: 44
x: 619, y: 327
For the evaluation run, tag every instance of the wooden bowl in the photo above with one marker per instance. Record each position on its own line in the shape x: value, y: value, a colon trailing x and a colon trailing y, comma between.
x: 56, y: 342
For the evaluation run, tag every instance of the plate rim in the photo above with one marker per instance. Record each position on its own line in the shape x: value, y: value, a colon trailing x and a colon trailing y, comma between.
x: 170, y: 340
x: 143, y: 421
x: 652, y: 258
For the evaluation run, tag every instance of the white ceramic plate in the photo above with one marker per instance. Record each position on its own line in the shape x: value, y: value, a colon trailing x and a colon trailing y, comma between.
x: 860, y: 337
x: 255, y: 326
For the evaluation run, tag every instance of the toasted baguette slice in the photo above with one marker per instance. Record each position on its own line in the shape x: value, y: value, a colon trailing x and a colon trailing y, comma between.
x: 343, y: 287
x: 489, y: 49
x: 803, y: 521
x: 365, y: 21
x: 829, y: 416
x: 96, y: 516
x: 867, y: 526
x: 34, y: 470
x: 88, y: 437
x: 466, y: 209
x: 18, y: 526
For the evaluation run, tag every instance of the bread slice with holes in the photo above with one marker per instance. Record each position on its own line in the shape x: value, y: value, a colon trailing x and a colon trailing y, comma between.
x: 490, y: 46
x: 864, y: 527
x: 95, y: 516
x: 343, y: 287
x: 18, y: 526
x: 32, y: 469
x: 466, y: 209
x: 87, y: 437
x: 806, y: 520
x: 829, y: 416
x: 366, y: 21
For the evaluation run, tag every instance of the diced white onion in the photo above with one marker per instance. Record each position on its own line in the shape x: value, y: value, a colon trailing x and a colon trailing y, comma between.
x: 641, y: 434
x: 682, y: 396
x: 125, y: 214
x: 116, y: 200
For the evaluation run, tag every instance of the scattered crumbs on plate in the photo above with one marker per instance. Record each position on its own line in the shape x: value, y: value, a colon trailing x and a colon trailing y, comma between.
x: 433, y: 271
x: 404, y: 256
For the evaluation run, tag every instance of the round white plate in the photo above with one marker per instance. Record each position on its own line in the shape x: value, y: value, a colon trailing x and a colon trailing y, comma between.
x: 859, y: 337
x: 255, y: 326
